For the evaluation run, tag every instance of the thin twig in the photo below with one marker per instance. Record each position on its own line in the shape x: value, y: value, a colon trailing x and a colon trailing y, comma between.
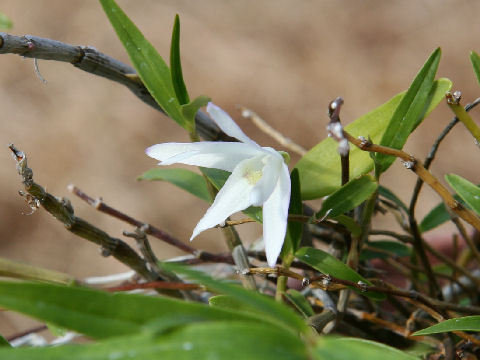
x: 270, y: 131
x: 148, y: 229
x: 466, y: 237
x: 416, y: 166
x: 335, y: 131
x: 63, y: 211
x: 430, y: 249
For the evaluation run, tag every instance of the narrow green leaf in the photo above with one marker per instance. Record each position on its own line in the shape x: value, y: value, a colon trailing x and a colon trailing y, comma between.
x: 184, y: 179
x: 329, y: 265
x: 5, y: 22
x: 467, y: 191
x: 320, y: 170
x: 230, y: 303
x: 176, y: 65
x: 467, y: 323
x: 439, y: 215
x: 350, y: 224
x: 212, y: 340
x: 99, y: 314
x: 299, y: 301
x: 272, y: 310
x: 410, y: 112
x: 4, y: 342
x: 333, y: 348
x: 190, y: 110
x: 150, y: 66
x: 436, y: 217
x: 218, y: 179
x: 295, y: 228
x: 348, y: 197
x: 388, y: 194
x: 475, y: 59
x: 395, y: 247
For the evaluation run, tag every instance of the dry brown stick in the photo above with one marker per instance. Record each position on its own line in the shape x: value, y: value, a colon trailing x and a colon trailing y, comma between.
x: 430, y: 249
x: 416, y: 166
x: 63, y: 211
x: 94, y: 62
x: 149, y: 229
x: 270, y: 131
x: 436, y: 305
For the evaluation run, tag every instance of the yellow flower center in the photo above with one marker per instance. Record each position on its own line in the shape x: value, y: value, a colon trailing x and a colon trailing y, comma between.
x: 252, y: 176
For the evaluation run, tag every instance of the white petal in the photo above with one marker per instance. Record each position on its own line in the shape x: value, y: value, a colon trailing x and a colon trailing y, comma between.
x: 275, y: 217
x: 234, y: 196
x: 219, y: 155
x: 271, y: 171
x: 226, y: 123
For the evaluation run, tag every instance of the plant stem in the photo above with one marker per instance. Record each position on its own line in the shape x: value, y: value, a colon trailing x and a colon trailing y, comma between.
x: 282, y: 279
x: 453, y: 101
x: 416, y: 166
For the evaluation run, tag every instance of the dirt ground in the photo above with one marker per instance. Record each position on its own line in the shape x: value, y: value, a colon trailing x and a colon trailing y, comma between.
x: 284, y: 59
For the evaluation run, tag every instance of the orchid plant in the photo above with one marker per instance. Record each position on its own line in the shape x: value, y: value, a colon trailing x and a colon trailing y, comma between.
x: 319, y: 273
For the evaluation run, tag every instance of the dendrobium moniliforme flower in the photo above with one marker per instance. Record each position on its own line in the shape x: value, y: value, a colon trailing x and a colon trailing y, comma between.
x: 259, y: 177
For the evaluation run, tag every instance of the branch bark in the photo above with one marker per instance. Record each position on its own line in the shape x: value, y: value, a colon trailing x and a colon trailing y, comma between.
x: 94, y: 62
x: 62, y: 210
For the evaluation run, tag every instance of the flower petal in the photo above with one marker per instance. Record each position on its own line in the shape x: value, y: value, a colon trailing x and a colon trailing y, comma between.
x: 226, y: 123
x: 275, y: 217
x: 219, y: 155
x: 234, y: 196
x: 271, y: 170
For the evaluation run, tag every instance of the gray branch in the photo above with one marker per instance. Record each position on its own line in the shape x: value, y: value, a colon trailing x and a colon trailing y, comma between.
x: 63, y: 211
x: 94, y: 62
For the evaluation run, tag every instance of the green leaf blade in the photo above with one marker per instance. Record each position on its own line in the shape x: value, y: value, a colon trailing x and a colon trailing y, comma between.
x: 329, y: 265
x: 333, y: 348
x: 184, y: 179
x: 299, y: 301
x: 212, y: 340
x: 348, y: 196
x: 272, y: 310
x: 294, y: 228
x: 4, y: 342
x: 436, y: 217
x: 410, y: 111
x: 469, y: 192
x: 150, y: 66
x: 100, y: 314
x: 5, y: 22
x: 467, y: 323
x: 320, y: 170
x: 176, y: 65
x: 190, y: 110
x: 395, y: 247
x: 475, y: 59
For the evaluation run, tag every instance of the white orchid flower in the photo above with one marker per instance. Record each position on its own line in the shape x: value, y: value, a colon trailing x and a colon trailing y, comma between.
x: 259, y: 177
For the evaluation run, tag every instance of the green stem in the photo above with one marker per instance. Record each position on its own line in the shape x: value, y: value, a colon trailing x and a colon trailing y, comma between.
x: 282, y: 280
x: 463, y: 116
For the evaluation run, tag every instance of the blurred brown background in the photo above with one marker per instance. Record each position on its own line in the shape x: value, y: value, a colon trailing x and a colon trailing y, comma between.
x: 284, y: 59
